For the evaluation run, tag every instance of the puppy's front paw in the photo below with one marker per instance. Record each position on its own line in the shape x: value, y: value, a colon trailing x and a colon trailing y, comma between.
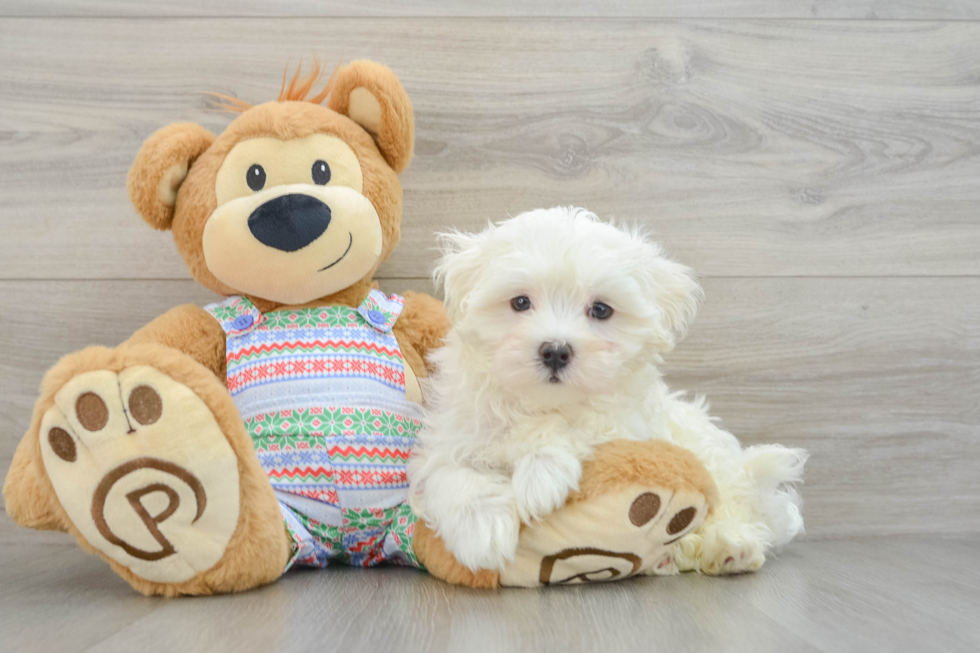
x: 542, y: 481
x: 665, y: 566
x: 722, y: 548
x: 483, y: 533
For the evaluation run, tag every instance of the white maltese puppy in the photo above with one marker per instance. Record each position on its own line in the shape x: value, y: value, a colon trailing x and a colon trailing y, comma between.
x: 559, y: 321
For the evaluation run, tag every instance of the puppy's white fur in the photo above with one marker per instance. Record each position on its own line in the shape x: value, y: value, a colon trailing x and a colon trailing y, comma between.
x: 504, y: 434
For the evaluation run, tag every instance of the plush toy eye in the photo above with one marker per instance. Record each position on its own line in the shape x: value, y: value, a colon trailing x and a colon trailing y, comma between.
x: 255, y: 177
x: 600, y: 311
x: 521, y: 303
x: 321, y: 173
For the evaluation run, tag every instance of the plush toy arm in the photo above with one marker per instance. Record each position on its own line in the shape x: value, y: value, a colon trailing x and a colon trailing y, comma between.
x: 422, y: 326
x: 190, y: 330
x: 424, y: 321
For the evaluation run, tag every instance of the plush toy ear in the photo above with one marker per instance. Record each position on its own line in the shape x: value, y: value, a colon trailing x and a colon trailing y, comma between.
x: 160, y: 168
x: 459, y: 268
x: 675, y: 291
x: 371, y: 95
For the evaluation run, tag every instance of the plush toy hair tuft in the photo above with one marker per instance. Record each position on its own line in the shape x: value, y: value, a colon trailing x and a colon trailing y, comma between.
x: 299, y: 87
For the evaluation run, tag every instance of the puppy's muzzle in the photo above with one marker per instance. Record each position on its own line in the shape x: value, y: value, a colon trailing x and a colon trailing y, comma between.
x: 289, y: 222
x: 555, y: 355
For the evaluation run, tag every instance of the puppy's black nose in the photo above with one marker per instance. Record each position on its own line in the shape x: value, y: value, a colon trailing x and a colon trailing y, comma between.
x: 555, y: 355
x: 289, y: 222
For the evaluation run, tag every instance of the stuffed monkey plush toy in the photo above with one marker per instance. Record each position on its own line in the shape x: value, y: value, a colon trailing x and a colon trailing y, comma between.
x: 218, y: 446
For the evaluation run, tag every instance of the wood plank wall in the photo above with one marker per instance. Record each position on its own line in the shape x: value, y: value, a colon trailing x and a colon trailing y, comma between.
x: 817, y: 162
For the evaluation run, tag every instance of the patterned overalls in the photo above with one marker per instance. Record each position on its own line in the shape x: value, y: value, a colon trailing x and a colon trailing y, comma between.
x: 322, y: 393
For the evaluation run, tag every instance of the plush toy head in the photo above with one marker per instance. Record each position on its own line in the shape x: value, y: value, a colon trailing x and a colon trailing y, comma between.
x: 295, y: 201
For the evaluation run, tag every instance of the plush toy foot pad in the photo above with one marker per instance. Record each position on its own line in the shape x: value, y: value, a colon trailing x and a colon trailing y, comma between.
x: 143, y: 471
x: 636, y: 500
x: 613, y: 536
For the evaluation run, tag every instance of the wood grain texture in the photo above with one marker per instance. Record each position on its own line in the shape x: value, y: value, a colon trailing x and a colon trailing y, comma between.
x: 863, y: 596
x: 756, y: 148
x: 878, y: 378
x: 55, y: 597
x: 854, y: 9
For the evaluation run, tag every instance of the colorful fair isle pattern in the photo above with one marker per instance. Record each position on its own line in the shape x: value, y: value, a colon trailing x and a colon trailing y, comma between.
x: 322, y: 393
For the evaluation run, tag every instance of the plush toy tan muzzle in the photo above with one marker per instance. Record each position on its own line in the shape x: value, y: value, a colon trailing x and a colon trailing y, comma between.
x: 293, y: 243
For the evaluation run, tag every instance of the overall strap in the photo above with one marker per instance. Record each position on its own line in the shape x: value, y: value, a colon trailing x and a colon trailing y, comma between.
x: 236, y: 315
x: 381, y: 311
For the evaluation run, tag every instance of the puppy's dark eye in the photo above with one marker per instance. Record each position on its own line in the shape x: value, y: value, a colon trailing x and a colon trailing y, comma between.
x: 321, y: 173
x: 255, y: 177
x: 600, y: 311
x: 521, y: 303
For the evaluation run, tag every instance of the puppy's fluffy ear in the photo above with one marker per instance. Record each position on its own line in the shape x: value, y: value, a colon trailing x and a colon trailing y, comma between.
x: 160, y: 169
x: 458, y: 269
x: 674, y: 290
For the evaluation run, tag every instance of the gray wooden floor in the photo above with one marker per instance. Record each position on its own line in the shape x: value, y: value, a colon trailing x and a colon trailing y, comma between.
x: 817, y: 161
x: 909, y: 593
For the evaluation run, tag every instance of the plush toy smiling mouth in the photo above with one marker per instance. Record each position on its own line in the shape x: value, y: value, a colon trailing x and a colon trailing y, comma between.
x: 346, y: 251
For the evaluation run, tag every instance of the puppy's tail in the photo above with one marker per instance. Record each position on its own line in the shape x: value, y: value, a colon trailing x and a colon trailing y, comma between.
x: 776, y: 471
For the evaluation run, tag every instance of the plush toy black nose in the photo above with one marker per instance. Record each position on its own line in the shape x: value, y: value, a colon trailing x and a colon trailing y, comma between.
x: 289, y: 222
x: 555, y: 355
